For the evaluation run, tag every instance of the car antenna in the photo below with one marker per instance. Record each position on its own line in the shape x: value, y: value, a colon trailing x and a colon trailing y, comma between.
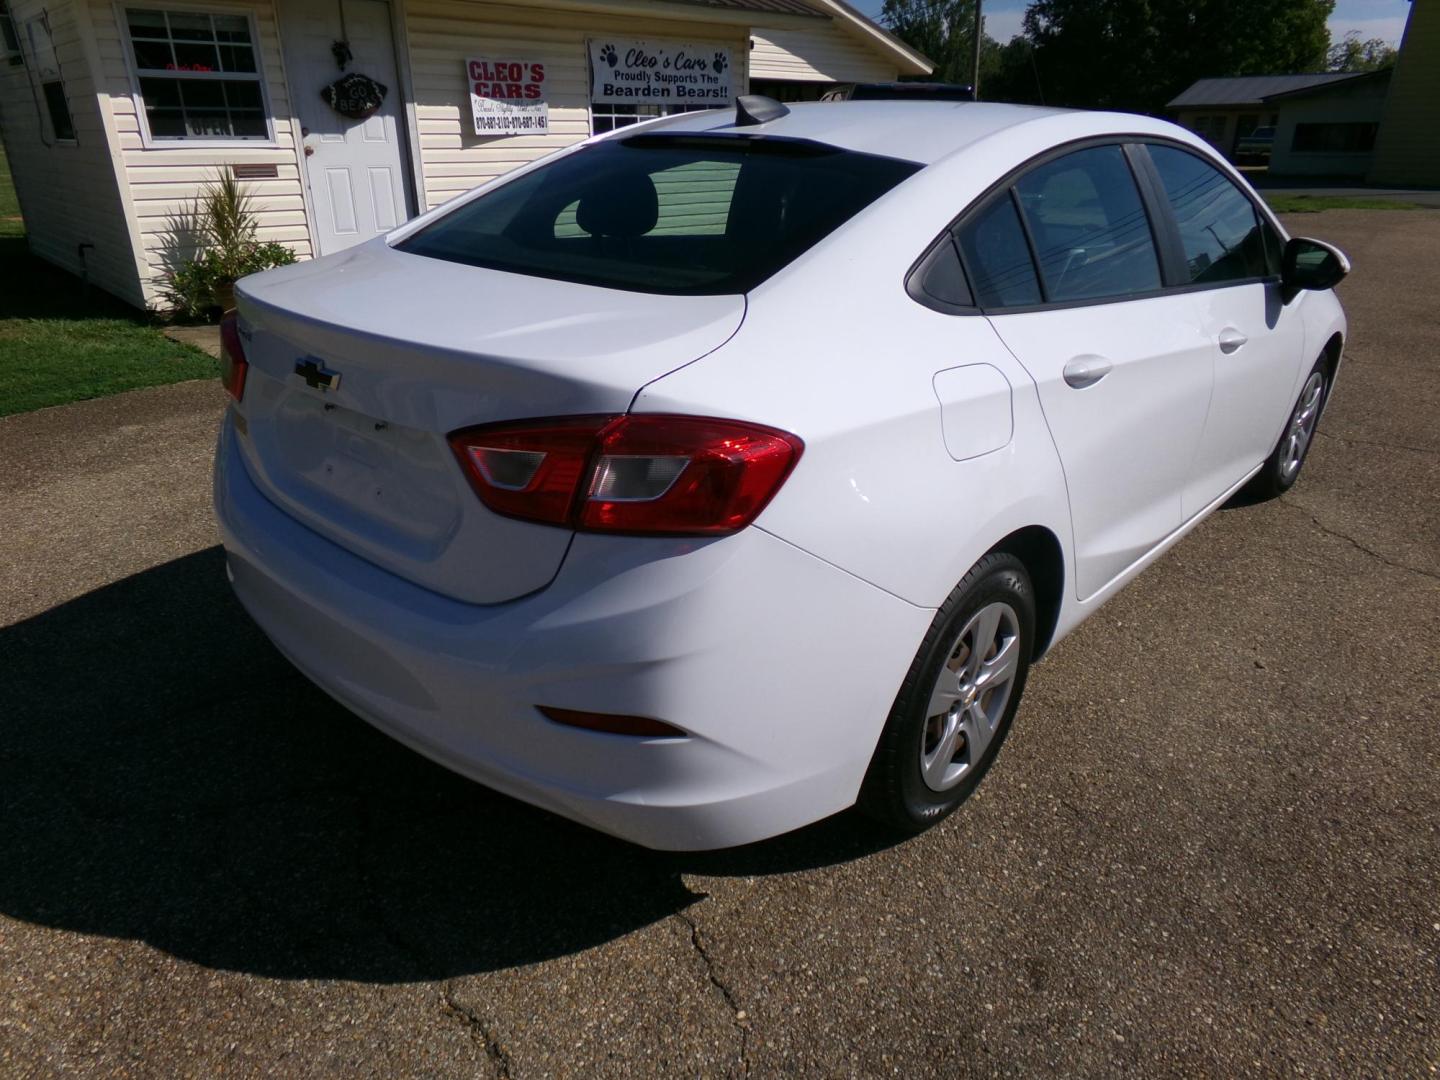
x: 751, y: 109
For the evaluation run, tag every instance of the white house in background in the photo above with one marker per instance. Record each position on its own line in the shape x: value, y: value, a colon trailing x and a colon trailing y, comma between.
x: 116, y: 112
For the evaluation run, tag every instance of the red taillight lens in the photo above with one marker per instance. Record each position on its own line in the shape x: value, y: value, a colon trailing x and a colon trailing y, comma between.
x: 531, y: 470
x: 675, y: 475
x: 233, y: 365
x: 685, y: 474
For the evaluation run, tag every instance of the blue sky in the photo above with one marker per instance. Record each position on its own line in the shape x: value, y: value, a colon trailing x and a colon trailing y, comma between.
x: 1372, y: 18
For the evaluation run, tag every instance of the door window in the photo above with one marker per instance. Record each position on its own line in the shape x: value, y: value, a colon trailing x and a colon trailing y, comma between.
x: 993, y: 244
x: 1091, y: 234
x: 1219, y: 228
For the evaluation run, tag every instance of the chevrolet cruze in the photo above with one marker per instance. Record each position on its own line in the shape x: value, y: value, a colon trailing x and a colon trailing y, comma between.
x: 713, y: 475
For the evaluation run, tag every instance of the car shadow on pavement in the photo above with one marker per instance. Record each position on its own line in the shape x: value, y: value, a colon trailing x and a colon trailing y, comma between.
x: 166, y: 776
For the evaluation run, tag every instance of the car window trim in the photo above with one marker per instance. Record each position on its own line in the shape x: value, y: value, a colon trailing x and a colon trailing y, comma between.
x: 1030, y: 246
x: 1169, y: 246
x: 915, y: 279
x: 1005, y: 184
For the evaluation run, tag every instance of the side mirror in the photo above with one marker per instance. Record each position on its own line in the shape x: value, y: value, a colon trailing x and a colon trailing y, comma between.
x: 1311, y: 264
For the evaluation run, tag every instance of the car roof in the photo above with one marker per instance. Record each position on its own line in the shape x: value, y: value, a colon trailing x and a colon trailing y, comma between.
x: 921, y: 131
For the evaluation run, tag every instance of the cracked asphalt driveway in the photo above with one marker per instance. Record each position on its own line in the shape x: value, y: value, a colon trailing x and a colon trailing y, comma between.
x: 1212, y: 844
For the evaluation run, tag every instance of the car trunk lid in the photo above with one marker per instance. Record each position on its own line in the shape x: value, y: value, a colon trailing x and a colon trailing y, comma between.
x: 361, y: 364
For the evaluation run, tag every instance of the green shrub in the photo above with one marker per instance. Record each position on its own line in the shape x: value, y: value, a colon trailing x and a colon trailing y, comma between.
x: 224, y: 227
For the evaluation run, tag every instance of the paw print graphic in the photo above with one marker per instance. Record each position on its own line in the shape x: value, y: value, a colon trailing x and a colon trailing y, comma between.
x: 720, y: 63
x: 609, y: 55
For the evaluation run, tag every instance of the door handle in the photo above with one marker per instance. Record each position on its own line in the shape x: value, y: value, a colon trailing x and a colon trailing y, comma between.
x: 1231, y: 339
x: 1085, y: 371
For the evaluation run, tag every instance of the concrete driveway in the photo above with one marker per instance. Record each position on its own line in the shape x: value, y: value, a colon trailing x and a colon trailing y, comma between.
x: 1211, y: 846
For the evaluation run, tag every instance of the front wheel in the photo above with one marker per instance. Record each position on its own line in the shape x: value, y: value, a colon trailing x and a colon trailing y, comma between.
x: 1282, y: 467
x: 958, y: 699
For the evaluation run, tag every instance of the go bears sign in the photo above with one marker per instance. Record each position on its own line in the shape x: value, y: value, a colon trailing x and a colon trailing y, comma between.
x: 659, y: 73
x: 507, y: 96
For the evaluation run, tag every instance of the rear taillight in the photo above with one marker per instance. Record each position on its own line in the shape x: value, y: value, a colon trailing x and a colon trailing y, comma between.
x: 675, y: 475
x: 233, y: 365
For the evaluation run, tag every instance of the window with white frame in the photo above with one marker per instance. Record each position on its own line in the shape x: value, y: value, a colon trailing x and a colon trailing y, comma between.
x: 605, y: 118
x: 9, y: 40
x: 198, y: 74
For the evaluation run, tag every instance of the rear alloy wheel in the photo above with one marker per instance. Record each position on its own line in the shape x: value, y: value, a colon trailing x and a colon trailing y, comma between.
x: 957, y: 702
x: 1283, y: 466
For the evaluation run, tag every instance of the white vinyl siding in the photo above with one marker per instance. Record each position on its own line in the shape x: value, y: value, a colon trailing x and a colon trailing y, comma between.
x: 68, y: 191
x: 165, y: 178
x: 444, y: 34
x: 826, y: 54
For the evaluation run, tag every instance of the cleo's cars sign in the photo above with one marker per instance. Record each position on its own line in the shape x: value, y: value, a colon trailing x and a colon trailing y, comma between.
x: 507, y: 97
x: 659, y: 73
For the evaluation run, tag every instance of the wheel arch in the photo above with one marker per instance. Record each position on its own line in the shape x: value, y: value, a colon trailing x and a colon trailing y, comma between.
x: 1332, y: 351
x: 1044, y: 558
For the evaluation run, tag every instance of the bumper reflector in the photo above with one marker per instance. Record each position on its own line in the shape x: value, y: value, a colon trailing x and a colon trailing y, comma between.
x: 611, y: 724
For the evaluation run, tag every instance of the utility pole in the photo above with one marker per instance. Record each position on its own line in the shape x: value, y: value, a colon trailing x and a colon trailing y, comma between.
x: 975, y: 67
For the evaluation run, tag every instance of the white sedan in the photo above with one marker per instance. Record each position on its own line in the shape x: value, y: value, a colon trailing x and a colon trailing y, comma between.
x: 713, y: 475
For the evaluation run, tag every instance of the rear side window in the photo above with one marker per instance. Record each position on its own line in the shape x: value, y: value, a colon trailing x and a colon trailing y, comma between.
x: 1092, y: 236
x: 664, y: 213
x: 998, y: 258
x: 1219, y: 229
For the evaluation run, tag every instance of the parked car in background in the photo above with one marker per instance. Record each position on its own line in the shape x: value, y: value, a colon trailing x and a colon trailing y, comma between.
x: 723, y: 471
x: 1254, y: 149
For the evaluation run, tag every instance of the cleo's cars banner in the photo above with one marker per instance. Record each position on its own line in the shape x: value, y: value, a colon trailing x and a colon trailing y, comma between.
x: 507, y: 96
x: 624, y: 72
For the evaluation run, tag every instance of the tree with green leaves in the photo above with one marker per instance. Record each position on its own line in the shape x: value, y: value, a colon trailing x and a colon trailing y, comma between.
x: 1352, y: 54
x: 1138, y: 54
x: 944, y: 30
x: 1131, y: 55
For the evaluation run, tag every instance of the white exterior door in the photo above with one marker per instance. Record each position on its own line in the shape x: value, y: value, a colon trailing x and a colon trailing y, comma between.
x: 355, y: 169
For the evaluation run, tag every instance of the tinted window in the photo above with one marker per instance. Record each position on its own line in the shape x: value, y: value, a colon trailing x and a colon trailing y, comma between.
x: 664, y: 213
x: 1219, y: 229
x: 1092, y: 238
x: 942, y: 278
x: 1001, y: 271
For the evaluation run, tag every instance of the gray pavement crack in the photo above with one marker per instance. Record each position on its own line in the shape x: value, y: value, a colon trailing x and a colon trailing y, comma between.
x: 1381, y: 445
x: 478, y: 1029
x: 1357, y: 545
x: 737, y: 1014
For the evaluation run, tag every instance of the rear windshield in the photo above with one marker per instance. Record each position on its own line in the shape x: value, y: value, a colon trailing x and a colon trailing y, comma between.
x: 664, y: 213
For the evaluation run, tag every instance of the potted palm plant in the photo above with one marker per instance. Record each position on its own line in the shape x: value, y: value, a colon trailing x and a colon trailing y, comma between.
x: 225, y: 228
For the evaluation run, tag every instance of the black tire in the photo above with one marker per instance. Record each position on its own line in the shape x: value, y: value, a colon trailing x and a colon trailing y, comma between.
x: 895, y: 791
x: 1279, y: 473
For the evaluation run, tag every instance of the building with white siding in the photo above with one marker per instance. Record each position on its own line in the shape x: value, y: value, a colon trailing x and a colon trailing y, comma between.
x: 115, y: 113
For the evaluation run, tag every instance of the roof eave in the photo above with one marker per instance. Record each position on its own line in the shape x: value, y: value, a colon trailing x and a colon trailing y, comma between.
x: 909, y: 61
x: 1319, y: 88
x: 695, y: 11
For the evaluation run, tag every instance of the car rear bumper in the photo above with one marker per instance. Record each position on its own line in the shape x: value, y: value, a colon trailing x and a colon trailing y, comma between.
x: 780, y: 667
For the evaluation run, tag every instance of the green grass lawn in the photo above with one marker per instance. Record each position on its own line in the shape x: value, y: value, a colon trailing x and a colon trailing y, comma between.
x: 61, y: 341
x: 1309, y: 204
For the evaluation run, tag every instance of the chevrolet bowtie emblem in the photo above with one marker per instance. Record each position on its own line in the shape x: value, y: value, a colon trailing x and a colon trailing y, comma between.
x: 315, y: 374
